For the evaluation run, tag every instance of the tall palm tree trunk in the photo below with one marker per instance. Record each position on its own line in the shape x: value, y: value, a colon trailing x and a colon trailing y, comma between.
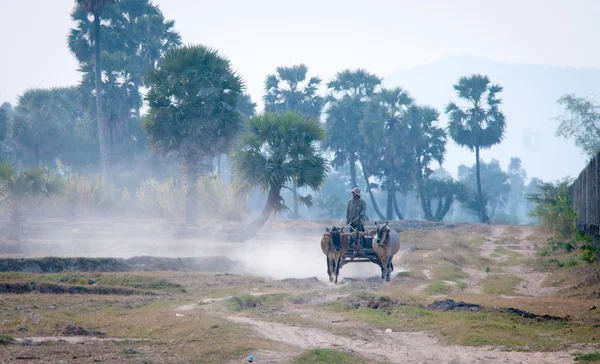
x: 191, y: 170
x: 397, y: 209
x: 295, y: 202
x: 99, y: 115
x: 390, y: 192
x: 272, y: 200
x: 482, y: 215
x: 375, y: 206
x: 352, y: 161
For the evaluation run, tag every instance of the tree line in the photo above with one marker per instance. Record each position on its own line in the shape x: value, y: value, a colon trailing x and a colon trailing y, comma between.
x: 198, y: 112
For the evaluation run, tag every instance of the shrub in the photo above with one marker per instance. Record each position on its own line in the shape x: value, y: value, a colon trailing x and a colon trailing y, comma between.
x: 553, y: 209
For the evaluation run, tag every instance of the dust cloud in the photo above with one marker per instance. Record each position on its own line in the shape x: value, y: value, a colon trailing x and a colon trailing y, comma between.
x: 275, y: 253
x: 295, y: 256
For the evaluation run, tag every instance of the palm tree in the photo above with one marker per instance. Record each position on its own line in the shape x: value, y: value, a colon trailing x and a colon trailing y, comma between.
x: 349, y: 93
x: 442, y: 191
x: 429, y: 143
x: 192, y: 111
x: 134, y: 35
x: 17, y: 187
x: 96, y: 8
x: 143, y: 35
x: 478, y: 126
x: 121, y: 101
x: 277, y: 149
x: 386, y: 127
x: 38, y: 124
x: 289, y: 90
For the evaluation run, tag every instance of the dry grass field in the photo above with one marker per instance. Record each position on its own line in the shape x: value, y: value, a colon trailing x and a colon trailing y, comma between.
x: 270, y: 297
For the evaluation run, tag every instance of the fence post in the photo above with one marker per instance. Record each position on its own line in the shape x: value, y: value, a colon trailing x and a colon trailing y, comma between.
x: 597, y: 212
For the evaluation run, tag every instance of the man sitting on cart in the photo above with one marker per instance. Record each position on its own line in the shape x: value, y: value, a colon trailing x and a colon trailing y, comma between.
x: 355, y: 212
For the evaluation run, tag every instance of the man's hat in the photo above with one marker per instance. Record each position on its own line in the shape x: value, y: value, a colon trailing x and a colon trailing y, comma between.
x: 356, y: 190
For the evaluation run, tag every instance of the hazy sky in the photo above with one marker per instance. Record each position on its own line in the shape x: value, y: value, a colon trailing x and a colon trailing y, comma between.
x: 326, y: 35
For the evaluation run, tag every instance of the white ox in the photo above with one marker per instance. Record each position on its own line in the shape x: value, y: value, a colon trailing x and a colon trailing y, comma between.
x: 386, y: 243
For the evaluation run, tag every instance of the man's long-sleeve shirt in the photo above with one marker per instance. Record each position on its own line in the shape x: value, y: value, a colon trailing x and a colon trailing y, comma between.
x: 355, y: 211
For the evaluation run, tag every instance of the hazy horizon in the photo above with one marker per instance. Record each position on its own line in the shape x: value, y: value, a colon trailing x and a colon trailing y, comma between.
x: 391, y: 38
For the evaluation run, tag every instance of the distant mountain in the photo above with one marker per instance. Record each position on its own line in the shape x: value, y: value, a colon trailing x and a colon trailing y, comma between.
x: 529, y: 102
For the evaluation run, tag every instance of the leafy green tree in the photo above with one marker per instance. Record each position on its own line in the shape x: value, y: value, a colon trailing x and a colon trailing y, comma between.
x: 51, y: 124
x: 386, y: 126
x: 278, y: 149
x: 553, y: 208
x: 495, y: 185
x: 428, y: 141
x: 192, y: 111
x: 478, y: 126
x: 289, y: 90
x: 581, y: 122
x: 18, y: 187
x: 37, y: 125
x: 96, y: 8
x: 349, y: 93
x: 121, y: 98
x: 442, y: 193
x: 134, y: 34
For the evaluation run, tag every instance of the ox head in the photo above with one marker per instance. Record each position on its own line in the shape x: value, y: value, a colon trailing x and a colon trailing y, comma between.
x: 382, y: 232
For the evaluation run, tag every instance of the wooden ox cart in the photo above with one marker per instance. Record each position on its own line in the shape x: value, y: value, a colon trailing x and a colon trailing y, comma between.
x: 343, y: 248
x: 365, y: 253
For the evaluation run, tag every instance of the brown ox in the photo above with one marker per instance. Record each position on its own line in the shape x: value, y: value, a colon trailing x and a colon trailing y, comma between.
x: 329, y: 241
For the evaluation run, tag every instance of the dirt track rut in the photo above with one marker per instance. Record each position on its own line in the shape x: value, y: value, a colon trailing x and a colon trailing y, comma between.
x: 395, y: 347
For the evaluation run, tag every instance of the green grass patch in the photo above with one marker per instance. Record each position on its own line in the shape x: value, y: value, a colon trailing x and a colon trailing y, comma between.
x: 246, y: 301
x: 139, y: 282
x: 462, y: 285
x: 327, y: 356
x: 6, y: 339
x: 336, y: 306
x: 500, y: 284
x: 510, y: 257
x: 587, y: 358
x: 448, y: 272
x: 136, y: 281
x: 437, y: 287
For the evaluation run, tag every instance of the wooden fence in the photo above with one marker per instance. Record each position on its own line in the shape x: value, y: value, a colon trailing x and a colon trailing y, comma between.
x: 585, y: 198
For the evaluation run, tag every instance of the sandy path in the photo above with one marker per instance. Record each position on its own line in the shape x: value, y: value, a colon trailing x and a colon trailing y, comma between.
x: 395, y: 347
x: 531, y: 285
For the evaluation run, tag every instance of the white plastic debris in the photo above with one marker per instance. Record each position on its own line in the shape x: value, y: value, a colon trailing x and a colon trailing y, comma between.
x: 388, y: 330
x: 179, y: 315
